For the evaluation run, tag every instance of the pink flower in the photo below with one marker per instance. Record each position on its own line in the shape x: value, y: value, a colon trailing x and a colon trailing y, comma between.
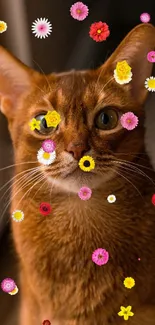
x: 48, y: 146
x: 100, y: 256
x: 145, y: 17
x: 85, y: 193
x: 129, y: 121
x: 151, y: 56
x: 79, y: 11
x: 8, y: 285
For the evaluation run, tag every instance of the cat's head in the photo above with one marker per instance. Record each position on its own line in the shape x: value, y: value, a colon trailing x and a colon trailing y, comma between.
x: 90, y: 104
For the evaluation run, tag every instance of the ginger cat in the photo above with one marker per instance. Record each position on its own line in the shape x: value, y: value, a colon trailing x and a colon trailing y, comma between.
x: 59, y: 280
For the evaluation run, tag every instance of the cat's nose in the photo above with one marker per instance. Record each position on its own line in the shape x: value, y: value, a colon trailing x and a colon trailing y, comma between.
x: 77, y: 149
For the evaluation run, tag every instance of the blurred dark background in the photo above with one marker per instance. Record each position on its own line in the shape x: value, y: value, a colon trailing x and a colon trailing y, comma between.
x: 68, y: 47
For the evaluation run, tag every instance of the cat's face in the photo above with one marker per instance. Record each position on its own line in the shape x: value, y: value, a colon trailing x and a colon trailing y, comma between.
x: 90, y: 105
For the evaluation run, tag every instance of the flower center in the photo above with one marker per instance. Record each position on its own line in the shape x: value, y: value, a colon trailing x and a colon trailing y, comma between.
x: 151, y: 83
x: 99, y: 31
x: 42, y: 28
x: 78, y: 11
x: 100, y: 256
x: 46, y: 155
x: 86, y: 163
x: 128, y: 121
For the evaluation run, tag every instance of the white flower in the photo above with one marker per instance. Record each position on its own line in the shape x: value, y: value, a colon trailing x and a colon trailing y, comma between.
x: 150, y: 84
x: 111, y: 198
x: 46, y: 158
x: 18, y: 215
x: 14, y: 292
x: 122, y: 81
x: 41, y: 28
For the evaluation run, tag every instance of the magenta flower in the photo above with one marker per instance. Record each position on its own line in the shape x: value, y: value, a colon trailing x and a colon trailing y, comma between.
x: 151, y: 56
x: 129, y: 121
x: 48, y: 146
x: 100, y: 256
x: 8, y: 285
x: 79, y: 11
x: 145, y: 17
x: 85, y: 193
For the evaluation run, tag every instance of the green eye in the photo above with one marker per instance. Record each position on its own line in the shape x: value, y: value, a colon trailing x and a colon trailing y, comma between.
x: 44, y: 129
x: 106, y: 119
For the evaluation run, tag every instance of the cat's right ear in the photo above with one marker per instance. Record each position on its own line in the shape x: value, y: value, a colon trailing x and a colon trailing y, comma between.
x: 16, y: 79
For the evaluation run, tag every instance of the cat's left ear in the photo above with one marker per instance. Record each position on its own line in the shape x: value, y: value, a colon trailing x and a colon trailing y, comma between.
x: 16, y: 79
x: 134, y: 49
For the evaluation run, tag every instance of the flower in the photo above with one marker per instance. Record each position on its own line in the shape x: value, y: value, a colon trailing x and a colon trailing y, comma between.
x: 18, y: 215
x: 111, y: 198
x: 8, y: 285
x: 129, y: 121
x: 3, y: 26
x: 151, y: 56
x: 145, y: 17
x: 126, y: 312
x: 79, y: 11
x: 99, y: 31
x: 45, y: 208
x: 52, y: 119
x: 46, y: 158
x: 153, y: 199
x: 13, y: 292
x: 48, y: 146
x: 87, y: 163
x: 122, y: 73
x: 85, y: 193
x: 100, y: 256
x: 41, y: 28
x: 34, y: 124
x: 150, y: 84
x: 129, y: 283
x: 46, y: 322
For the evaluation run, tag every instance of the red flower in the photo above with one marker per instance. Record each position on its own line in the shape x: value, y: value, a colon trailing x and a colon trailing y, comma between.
x: 46, y: 322
x: 45, y: 208
x: 153, y: 199
x: 99, y: 31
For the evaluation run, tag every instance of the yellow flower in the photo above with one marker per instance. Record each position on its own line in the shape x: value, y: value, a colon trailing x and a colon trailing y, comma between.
x: 87, y: 163
x: 126, y: 312
x: 129, y: 283
x: 150, y: 84
x: 34, y: 124
x: 52, y: 119
x: 122, y: 73
x: 3, y: 26
x: 18, y: 215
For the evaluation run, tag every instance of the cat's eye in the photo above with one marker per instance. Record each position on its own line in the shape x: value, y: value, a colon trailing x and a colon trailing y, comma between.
x: 106, y: 119
x: 44, y: 129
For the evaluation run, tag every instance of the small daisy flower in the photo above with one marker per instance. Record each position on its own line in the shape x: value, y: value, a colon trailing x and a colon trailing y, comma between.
x: 41, y: 28
x: 34, y: 124
x: 3, y: 26
x: 85, y: 193
x: 129, y: 121
x: 45, y: 208
x: 18, y: 215
x: 99, y: 31
x: 145, y: 17
x: 8, y: 285
x: 48, y: 146
x: 150, y: 84
x: 87, y: 163
x: 126, y: 312
x: 79, y: 11
x: 100, y: 256
x: 52, y: 119
x: 122, y: 73
x: 129, y: 283
x: 111, y: 198
x: 153, y: 199
x: 46, y: 322
x: 151, y: 56
x: 13, y: 292
x: 46, y: 158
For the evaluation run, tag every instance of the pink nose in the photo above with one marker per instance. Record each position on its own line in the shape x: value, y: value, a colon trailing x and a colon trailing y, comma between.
x: 77, y: 149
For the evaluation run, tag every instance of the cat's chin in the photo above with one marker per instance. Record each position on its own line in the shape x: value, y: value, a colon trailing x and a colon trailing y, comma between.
x: 74, y: 181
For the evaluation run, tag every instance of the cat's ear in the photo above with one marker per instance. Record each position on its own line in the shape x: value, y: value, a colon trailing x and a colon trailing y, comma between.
x: 15, y: 80
x: 134, y: 49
